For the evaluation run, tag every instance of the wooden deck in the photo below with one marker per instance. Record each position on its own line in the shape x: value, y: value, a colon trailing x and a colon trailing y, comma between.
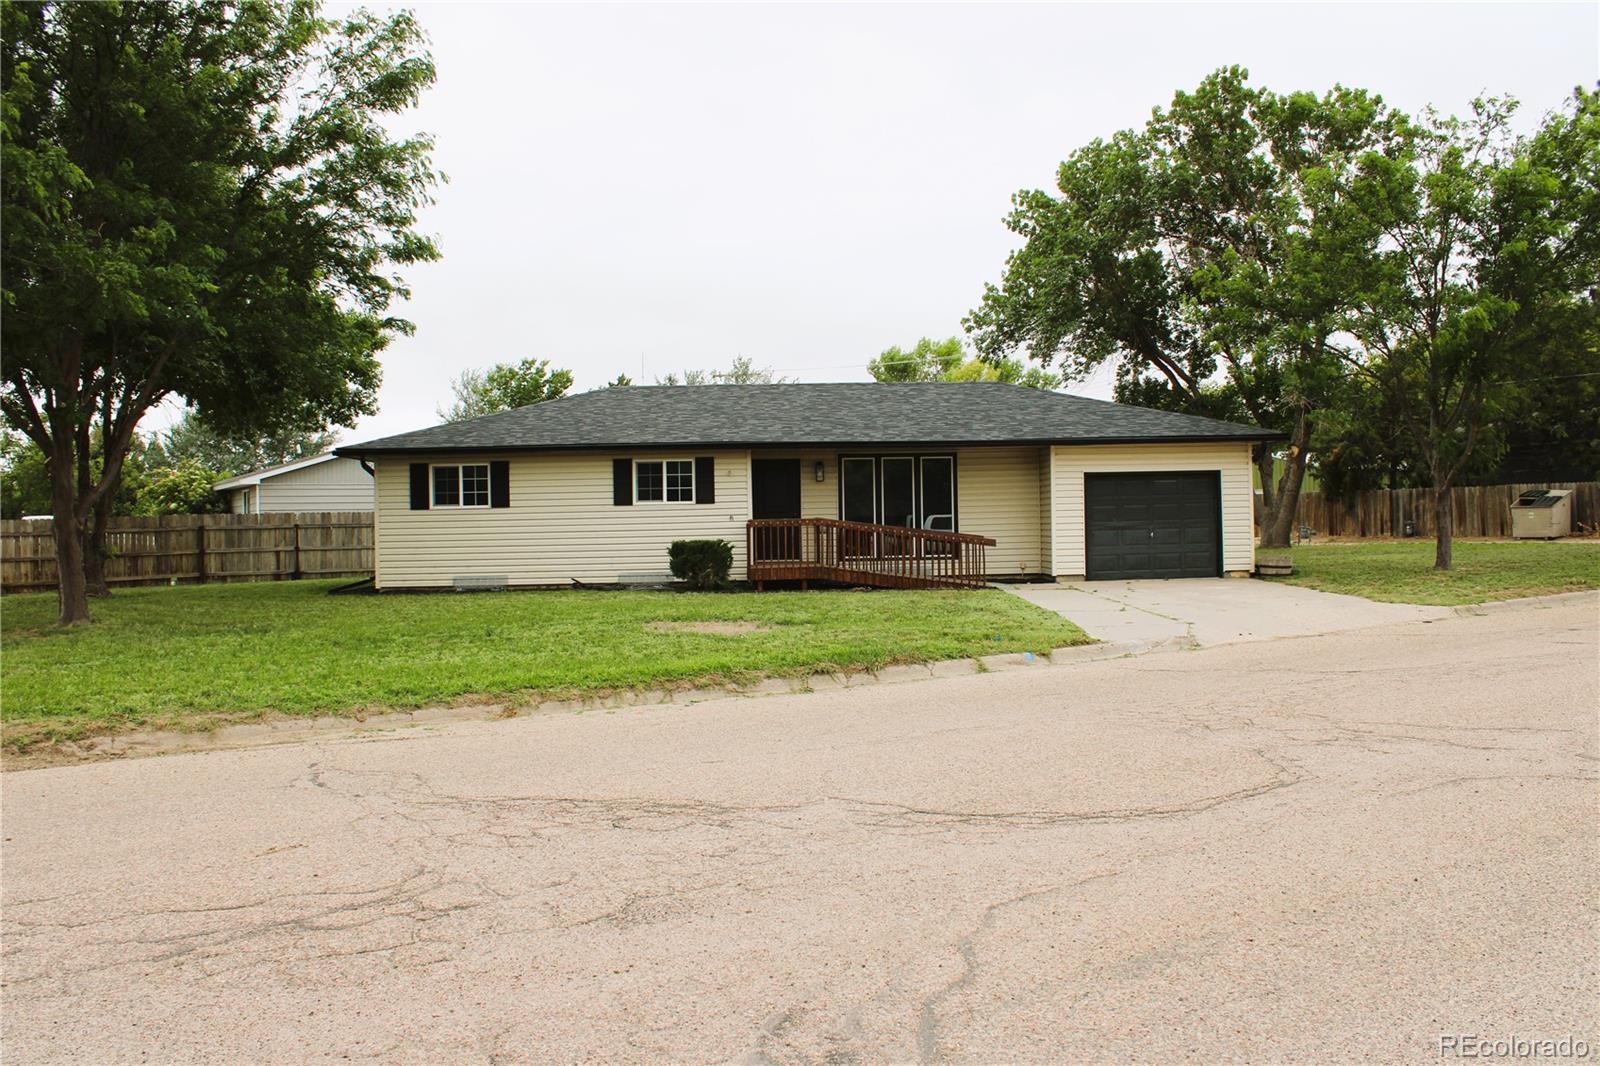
x: 860, y: 553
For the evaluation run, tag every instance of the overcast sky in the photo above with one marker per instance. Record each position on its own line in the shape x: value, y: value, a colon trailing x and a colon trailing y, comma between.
x: 640, y: 189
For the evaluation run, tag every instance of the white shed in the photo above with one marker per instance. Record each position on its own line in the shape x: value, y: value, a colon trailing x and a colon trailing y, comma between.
x: 318, y: 483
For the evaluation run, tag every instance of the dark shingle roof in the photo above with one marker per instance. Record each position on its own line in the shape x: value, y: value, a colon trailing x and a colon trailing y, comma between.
x: 866, y: 414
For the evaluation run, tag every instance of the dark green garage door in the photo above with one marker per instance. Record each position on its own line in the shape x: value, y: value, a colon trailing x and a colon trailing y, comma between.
x: 1153, y: 525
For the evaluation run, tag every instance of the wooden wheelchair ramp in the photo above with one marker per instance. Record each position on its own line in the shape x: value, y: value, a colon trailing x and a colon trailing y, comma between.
x: 862, y: 553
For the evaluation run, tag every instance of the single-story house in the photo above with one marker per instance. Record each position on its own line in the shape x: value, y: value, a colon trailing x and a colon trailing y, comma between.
x: 323, y: 482
x: 922, y: 483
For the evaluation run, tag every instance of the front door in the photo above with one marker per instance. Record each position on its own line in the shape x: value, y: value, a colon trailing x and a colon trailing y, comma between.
x: 775, y: 493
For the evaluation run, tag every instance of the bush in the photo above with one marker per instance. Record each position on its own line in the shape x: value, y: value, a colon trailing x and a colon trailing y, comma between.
x: 188, y: 488
x: 704, y: 564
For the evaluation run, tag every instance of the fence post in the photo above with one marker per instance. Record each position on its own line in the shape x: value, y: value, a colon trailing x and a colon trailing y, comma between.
x: 296, y: 575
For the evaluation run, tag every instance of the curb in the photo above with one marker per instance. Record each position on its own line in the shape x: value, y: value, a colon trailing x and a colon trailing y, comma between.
x: 330, y: 727
x: 1525, y: 603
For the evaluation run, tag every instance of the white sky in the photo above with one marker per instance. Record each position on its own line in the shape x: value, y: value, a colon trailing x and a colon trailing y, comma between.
x: 639, y: 189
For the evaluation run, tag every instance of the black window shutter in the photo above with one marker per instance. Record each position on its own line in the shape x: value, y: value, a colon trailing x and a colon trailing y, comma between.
x: 622, y: 482
x: 705, y: 480
x: 419, y: 486
x: 500, y: 483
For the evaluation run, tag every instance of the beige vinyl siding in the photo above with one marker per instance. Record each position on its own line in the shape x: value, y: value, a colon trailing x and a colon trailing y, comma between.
x: 819, y: 499
x: 1072, y: 461
x: 1047, y: 515
x: 240, y: 501
x: 998, y: 494
x: 561, y: 525
x: 336, y: 485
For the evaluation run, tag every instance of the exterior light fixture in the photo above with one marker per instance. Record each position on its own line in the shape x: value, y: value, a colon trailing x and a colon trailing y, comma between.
x: 818, y: 470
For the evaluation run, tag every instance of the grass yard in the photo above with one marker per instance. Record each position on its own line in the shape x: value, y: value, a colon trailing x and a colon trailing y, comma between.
x: 169, y: 655
x: 1401, y: 571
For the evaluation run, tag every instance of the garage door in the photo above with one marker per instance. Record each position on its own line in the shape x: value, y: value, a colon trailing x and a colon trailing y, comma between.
x: 1153, y: 525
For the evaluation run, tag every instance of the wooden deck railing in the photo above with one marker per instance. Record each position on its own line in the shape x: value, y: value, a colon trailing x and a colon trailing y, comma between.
x: 861, y: 553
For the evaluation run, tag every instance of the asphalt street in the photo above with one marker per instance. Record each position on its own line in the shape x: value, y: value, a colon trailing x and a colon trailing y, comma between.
x: 1327, y: 847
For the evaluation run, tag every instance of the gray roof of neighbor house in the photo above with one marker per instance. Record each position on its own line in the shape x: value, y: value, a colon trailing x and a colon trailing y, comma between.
x: 866, y: 414
x: 255, y: 477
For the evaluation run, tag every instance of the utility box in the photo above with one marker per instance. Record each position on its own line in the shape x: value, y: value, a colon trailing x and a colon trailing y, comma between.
x: 1542, y: 514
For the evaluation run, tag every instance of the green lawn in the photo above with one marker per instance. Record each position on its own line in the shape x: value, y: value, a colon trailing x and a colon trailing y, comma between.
x: 1401, y: 571
x: 170, y: 654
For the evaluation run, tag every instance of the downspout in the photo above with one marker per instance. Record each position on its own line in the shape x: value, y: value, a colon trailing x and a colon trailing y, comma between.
x: 373, y: 473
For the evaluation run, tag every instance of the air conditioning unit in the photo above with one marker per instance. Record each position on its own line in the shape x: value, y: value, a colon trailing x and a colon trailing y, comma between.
x: 1542, y: 514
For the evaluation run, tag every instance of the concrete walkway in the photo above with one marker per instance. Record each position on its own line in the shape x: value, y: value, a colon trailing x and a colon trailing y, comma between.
x: 1213, y: 611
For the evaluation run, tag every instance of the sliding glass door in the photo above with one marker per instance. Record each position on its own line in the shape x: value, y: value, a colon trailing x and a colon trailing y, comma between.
x: 858, y: 480
x: 910, y: 491
x: 897, y: 479
x: 938, y: 496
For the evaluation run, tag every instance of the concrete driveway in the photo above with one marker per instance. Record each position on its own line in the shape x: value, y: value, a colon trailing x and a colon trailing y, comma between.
x: 1213, y: 611
x: 1333, y: 849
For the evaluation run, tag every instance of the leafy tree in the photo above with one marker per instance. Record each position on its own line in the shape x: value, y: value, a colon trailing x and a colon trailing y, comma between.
x: 1009, y: 371
x: 1553, y: 429
x: 504, y: 386
x: 1212, y: 240
x: 948, y: 360
x: 928, y: 360
x: 742, y: 372
x: 621, y: 381
x: 1092, y: 281
x: 199, y: 200
x: 24, y: 477
x: 1491, y: 242
x: 190, y: 439
x: 189, y: 487
x: 688, y: 377
x: 1546, y: 425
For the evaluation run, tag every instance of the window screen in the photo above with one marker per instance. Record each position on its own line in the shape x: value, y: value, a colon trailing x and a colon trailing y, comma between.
x: 447, y: 486
x: 680, y: 480
x: 650, y: 481
x: 475, y: 485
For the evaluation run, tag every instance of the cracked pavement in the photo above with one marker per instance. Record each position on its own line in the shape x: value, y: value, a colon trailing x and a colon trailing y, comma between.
x: 1336, y: 846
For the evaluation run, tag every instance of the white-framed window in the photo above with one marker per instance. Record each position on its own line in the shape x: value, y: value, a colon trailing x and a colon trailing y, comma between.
x: 466, y: 485
x: 663, y: 480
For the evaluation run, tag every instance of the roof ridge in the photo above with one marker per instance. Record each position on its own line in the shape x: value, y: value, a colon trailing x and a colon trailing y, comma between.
x: 822, y: 414
x: 281, y: 468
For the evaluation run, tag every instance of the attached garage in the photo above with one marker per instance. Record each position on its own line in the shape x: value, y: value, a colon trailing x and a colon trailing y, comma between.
x: 1153, y: 525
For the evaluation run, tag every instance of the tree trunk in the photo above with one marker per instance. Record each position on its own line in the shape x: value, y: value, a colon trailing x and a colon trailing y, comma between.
x: 1444, y: 519
x: 1264, y: 468
x: 94, y: 553
x: 94, y: 544
x: 73, y: 597
x: 1280, y: 519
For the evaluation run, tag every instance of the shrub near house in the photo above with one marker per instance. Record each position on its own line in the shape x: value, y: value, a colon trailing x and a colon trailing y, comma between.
x: 703, y: 564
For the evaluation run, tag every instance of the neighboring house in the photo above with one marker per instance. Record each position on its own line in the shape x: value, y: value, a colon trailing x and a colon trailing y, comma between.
x: 594, y: 487
x: 323, y: 482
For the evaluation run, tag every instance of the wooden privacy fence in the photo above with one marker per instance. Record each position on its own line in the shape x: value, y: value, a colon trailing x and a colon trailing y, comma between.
x: 1480, y: 510
x: 195, y: 548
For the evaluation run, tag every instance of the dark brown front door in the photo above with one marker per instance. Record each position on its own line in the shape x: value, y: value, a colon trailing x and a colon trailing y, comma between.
x: 775, y: 487
x: 775, y: 493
